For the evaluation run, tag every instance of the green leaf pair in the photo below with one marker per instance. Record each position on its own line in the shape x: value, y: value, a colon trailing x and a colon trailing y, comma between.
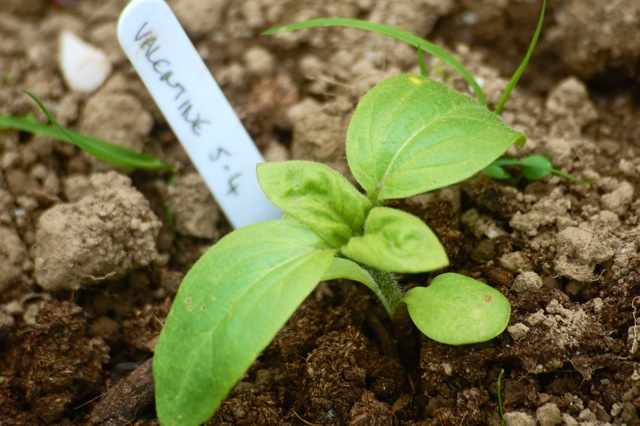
x: 408, y: 135
x: 534, y: 167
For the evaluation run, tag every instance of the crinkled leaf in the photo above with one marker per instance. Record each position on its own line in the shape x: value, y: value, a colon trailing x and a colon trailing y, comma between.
x: 410, y: 134
x: 396, y: 241
x: 229, y: 307
x: 316, y: 196
x: 458, y: 310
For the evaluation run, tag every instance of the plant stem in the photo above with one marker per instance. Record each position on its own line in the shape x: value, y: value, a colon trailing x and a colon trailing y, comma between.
x: 389, y: 291
x: 391, y: 296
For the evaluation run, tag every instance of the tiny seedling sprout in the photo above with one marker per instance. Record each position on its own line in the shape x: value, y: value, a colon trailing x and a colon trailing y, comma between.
x: 499, y: 394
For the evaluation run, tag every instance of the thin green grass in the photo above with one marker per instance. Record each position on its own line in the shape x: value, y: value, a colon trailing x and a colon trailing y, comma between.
x: 516, y: 76
x: 393, y: 32
x: 106, y: 151
x: 423, y: 45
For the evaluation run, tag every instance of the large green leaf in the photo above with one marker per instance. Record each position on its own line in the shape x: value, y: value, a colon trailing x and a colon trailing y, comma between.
x: 316, y: 196
x: 229, y: 307
x: 411, y: 134
x: 458, y: 310
x: 396, y: 241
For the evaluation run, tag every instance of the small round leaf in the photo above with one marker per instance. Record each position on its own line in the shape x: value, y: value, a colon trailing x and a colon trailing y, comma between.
x: 458, y: 310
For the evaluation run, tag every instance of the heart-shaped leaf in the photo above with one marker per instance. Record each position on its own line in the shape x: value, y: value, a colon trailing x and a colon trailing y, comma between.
x: 458, y: 310
x: 396, y: 241
x: 316, y: 196
x: 229, y: 307
x: 410, y: 135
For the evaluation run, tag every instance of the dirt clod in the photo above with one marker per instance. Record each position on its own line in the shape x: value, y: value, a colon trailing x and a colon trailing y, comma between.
x: 12, y: 257
x: 55, y: 354
x: 194, y: 209
x: 127, y: 399
x: 106, y: 235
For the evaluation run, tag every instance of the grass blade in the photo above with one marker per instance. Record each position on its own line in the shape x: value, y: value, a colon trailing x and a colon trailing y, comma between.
x: 423, y: 67
x: 393, y: 32
x: 29, y: 124
x: 516, y: 76
x: 106, y: 151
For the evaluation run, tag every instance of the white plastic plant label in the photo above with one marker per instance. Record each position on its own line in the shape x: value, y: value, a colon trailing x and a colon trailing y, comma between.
x: 196, y: 109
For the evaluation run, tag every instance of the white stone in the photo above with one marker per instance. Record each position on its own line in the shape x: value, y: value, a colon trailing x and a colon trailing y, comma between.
x: 84, y: 67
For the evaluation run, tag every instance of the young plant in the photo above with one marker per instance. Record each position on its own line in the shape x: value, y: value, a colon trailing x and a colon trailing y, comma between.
x: 533, y: 167
x: 408, y: 135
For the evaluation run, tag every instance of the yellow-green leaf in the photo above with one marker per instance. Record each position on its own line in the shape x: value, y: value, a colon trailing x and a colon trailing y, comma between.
x: 229, y: 307
x: 410, y: 135
x: 396, y: 241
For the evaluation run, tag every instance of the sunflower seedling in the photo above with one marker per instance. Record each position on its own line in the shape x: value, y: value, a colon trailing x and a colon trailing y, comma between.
x: 408, y: 135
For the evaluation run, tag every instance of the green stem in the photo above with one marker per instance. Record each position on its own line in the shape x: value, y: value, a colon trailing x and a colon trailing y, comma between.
x: 403, y: 327
x: 389, y: 291
x: 385, y: 286
x: 423, y: 67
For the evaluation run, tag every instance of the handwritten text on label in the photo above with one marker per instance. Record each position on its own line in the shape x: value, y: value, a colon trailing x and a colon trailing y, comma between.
x: 148, y: 42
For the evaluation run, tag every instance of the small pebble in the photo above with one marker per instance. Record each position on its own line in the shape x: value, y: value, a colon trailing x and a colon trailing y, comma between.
x: 84, y: 67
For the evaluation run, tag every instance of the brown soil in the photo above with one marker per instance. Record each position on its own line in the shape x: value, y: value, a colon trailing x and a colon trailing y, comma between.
x: 89, y: 260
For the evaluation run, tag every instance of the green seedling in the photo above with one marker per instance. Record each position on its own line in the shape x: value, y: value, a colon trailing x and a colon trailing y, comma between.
x: 408, y: 135
x: 533, y: 167
x: 106, y: 151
